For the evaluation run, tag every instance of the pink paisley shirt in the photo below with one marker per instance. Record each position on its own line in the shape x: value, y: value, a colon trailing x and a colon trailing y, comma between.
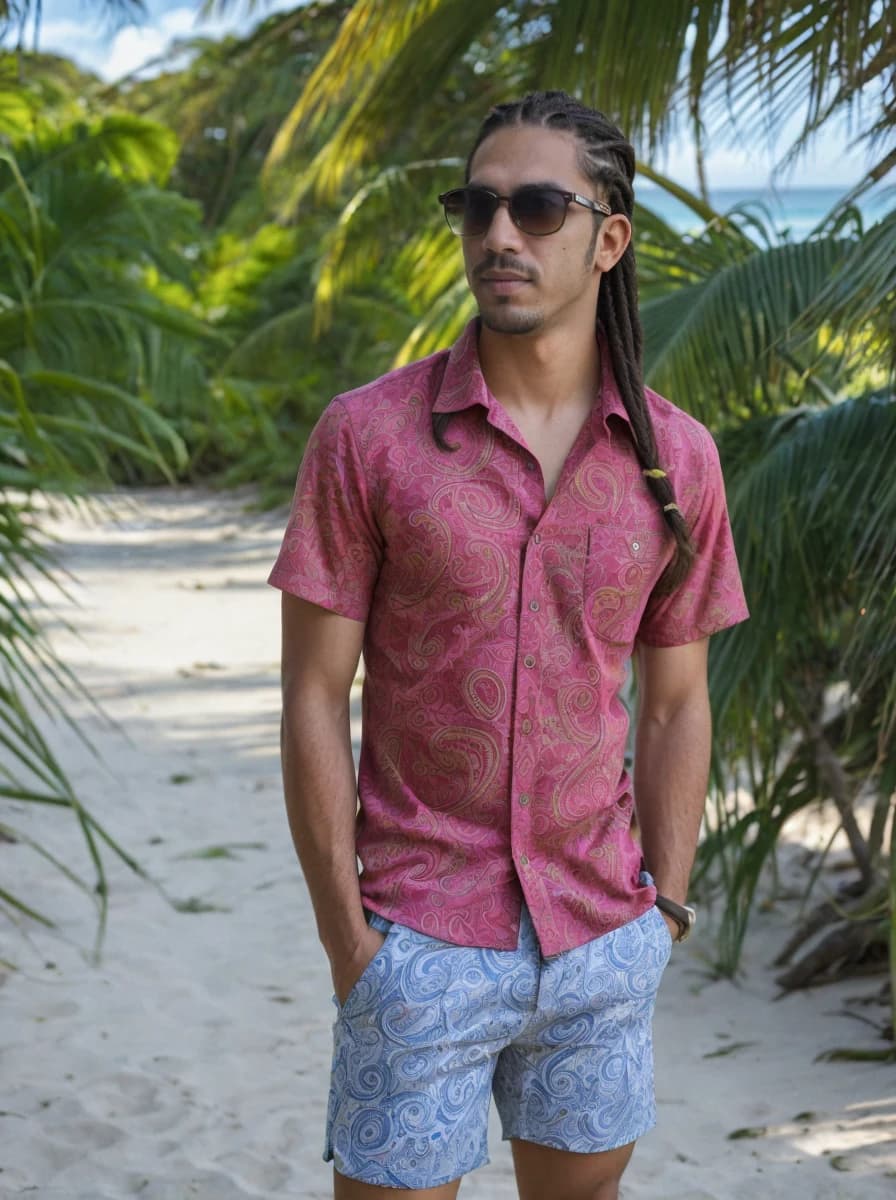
x: 497, y: 632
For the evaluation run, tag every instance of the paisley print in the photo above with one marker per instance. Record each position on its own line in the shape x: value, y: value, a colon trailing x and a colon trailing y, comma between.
x: 599, y: 487
x: 469, y: 759
x: 478, y: 505
x: 497, y: 631
x: 485, y: 692
x: 579, y: 714
x: 423, y: 566
x: 431, y: 1030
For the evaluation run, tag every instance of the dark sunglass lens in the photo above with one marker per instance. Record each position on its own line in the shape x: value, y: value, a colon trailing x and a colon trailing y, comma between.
x: 538, y: 210
x: 469, y: 210
x: 455, y: 209
x: 479, y: 210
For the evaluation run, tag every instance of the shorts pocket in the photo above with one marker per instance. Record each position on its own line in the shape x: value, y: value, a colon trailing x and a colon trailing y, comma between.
x: 366, y: 983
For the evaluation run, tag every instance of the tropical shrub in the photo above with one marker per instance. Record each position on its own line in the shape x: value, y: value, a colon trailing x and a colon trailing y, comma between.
x: 85, y: 350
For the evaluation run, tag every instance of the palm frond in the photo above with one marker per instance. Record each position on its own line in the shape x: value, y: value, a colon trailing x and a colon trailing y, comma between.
x: 386, y: 55
x: 861, y: 292
x: 728, y: 334
x: 700, y: 207
x: 81, y: 345
x: 130, y: 147
x: 389, y: 61
x: 810, y: 60
x: 372, y: 32
x: 814, y: 521
x: 441, y: 326
x: 368, y: 228
x: 813, y: 511
x: 592, y: 58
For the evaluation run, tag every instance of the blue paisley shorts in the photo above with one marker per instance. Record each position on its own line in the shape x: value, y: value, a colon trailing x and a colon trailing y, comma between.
x: 431, y: 1030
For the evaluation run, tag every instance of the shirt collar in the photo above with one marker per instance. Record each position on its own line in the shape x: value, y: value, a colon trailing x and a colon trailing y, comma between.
x: 463, y: 384
x: 611, y: 404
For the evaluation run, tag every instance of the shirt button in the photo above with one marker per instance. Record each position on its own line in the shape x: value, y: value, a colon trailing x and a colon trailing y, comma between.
x: 536, y: 538
x: 529, y: 660
x: 526, y: 725
x: 534, y: 605
x: 524, y: 860
x: 524, y: 799
x: 636, y: 546
x: 530, y: 465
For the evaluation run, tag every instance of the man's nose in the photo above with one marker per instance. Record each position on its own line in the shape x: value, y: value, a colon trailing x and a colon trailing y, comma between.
x: 502, y: 234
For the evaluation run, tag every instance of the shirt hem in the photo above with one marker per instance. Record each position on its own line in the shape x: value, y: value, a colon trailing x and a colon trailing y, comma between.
x: 548, y: 950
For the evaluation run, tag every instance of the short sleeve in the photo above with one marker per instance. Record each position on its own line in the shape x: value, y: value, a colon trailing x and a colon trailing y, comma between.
x: 712, y: 596
x: 332, y: 548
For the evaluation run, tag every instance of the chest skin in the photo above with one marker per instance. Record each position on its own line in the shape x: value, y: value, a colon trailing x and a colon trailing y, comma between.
x: 550, y: 440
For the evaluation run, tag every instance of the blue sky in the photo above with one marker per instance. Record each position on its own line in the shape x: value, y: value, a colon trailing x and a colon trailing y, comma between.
x: 71, y: 27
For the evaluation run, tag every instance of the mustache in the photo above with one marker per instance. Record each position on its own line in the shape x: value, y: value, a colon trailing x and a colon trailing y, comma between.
x: 502, y: 262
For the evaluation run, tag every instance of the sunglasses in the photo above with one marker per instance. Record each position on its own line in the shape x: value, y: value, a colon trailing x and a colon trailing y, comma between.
x: 534, y: 209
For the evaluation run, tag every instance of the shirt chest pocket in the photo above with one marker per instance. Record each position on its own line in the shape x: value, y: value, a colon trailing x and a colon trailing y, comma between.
x: 621, y: 567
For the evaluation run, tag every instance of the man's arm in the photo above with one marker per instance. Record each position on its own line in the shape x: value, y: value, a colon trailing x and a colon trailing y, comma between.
x: 672, y: 750
x: 320, y: 656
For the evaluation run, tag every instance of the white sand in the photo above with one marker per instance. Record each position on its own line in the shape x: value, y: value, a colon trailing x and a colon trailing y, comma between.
x: 192, y: 1062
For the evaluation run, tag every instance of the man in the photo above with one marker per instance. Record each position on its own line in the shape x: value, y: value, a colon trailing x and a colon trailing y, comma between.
x: 499, y: 528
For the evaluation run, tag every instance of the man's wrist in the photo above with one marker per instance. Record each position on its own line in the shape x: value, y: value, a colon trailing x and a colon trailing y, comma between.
x: 341, y: 940
x: 682, y: 914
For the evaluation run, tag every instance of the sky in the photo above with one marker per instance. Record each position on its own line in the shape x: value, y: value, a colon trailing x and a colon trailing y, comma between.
x: 71, y: 27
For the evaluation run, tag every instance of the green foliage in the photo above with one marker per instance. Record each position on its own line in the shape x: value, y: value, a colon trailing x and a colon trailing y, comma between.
x: 84, y: 348
x: 84, y: 342
x: 743, y: 63
x: 372, y: 230
x: 191, y: 265
x: 235, y: 268
x: 813, y: 509
x: 227, y: 104
x: 41, y: 92
x: 726, y: 333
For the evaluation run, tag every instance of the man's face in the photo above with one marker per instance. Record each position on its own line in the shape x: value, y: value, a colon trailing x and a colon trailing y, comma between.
x: 523, y: 283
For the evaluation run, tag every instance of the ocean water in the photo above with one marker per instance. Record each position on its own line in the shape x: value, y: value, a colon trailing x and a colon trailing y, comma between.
x: 794, y: 212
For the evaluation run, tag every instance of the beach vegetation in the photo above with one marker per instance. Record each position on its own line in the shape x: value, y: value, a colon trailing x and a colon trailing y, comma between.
x: 85, y: 352
x: 253, y: 230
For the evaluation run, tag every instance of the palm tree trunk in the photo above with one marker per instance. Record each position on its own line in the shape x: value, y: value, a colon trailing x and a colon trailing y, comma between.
x: 879, y: 817
x: 833, y: 776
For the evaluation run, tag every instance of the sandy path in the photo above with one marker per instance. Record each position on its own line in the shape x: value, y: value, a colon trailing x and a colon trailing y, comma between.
x: 192, y: 1062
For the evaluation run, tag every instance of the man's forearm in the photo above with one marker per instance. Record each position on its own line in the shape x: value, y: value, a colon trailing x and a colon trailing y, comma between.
x: 321, y: 804
x: 671, y: 772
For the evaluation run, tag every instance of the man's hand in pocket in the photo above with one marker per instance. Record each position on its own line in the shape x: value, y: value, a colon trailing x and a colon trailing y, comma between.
x: 346, y: 974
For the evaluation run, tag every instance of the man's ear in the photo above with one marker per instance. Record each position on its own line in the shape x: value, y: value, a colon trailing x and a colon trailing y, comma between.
x: 613, y: 237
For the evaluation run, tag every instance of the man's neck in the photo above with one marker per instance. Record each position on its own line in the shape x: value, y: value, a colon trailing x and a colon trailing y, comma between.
x: 542, y: 375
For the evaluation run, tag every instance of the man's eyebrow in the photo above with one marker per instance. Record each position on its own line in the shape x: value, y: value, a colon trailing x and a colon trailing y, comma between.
x: 542, y: 183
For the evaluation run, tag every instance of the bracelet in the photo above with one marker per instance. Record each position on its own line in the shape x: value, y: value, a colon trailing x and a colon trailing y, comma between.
x: 684, y: 916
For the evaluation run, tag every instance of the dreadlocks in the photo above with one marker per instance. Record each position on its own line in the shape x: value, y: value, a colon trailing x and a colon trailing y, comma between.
x: 608, y: 160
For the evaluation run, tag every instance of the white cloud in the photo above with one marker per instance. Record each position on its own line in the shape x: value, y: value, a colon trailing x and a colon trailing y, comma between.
x: 113, y: 53
x: 74, y: 39
x: 136, y: 45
